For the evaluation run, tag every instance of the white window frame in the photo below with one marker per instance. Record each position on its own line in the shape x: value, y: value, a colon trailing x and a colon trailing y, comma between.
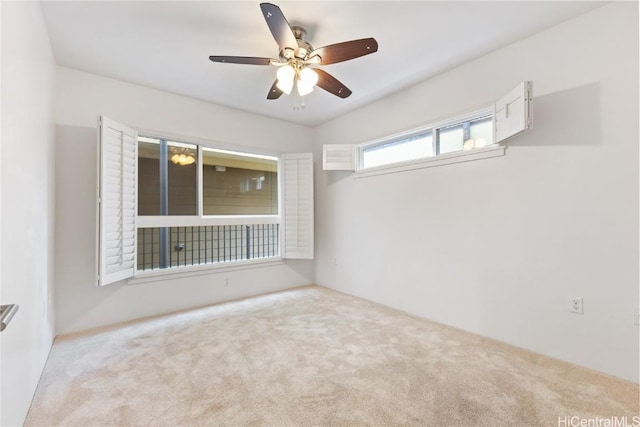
x: 431, y: 128
x: 199, y: 219
x: 491, y: 150
x: 511, y: 115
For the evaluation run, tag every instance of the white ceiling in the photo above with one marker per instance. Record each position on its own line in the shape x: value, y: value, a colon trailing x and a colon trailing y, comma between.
x: 166, y: 45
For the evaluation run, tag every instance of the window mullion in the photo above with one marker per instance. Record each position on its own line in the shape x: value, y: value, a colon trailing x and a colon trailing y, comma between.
x: 165, y: 251
x: 199, y: 182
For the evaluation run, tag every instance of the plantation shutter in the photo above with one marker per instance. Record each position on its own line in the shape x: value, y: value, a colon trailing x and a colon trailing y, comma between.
x: 339, y: 157
x: 298, y: 206
x: 513, y: 112
x: 117, y: 201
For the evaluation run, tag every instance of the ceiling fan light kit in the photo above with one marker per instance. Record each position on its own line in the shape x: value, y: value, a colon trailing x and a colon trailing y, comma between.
x: 297, y: 56
x: 183, y: 159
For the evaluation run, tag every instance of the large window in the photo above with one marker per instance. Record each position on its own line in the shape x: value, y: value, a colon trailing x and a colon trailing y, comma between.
x: 230, y: 199
x: 232, y: 183
x: 170, y: 205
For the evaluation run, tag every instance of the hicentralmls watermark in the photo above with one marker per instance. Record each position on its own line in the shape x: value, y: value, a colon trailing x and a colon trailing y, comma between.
x: 576, y: 421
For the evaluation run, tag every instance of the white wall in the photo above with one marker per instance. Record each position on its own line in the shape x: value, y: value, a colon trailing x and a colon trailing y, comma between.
x: 27, y: 200
x: 80, y: 99
x: 498, y: 246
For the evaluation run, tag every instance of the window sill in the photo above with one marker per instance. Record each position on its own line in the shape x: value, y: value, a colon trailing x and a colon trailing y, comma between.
x: 495, y: 150
x: 199, y: 270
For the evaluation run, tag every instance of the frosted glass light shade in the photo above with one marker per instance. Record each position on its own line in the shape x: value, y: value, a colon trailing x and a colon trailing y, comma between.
x: 286, y: 75
x: 307, y: 79
x: 303, y: 89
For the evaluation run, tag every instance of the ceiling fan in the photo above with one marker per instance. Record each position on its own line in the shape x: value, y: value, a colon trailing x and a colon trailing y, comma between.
x: 297, y: 57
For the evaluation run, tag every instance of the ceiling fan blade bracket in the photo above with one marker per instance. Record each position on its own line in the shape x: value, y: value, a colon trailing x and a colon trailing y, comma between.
x: 287, y: 53
x: 278, y: 63
x: 314, y: 60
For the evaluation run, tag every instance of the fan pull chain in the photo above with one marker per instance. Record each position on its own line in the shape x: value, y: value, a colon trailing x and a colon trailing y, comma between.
x: 299, y: 103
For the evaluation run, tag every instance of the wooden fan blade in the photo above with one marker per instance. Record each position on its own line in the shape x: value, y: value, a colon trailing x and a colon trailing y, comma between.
x: 345, y: 51
x: 274, y: 92
x: 329, y: 83
x: 241, y: 60
x: 279, y: 26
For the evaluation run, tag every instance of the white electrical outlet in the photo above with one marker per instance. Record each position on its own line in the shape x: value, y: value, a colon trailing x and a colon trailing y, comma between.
x: 576, y: 305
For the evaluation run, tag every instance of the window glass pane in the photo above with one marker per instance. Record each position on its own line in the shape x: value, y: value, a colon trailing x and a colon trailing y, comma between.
x: 415, y: 147
x: 239, y: 184
x: 450, y: 139
x: 148, y: 176
x: 466, y: 136
x: 211, y: 244
x: 481, y: 132
x: 172, y: 188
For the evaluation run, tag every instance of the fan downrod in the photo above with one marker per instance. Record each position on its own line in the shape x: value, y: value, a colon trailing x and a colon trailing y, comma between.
x: 299, y: 32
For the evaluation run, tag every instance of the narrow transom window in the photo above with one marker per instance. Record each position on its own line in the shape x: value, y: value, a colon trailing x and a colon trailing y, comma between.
x: 399, y: 150
x: 447, y: 141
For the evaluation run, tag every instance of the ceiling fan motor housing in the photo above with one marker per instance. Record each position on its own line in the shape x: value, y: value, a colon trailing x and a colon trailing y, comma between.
x: 304, y: 48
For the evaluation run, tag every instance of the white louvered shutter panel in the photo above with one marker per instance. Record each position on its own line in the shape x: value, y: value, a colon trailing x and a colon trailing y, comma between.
x: 513, y: 112
x: 117, y: 201
x: 339, y: 157
x: 298, y: 206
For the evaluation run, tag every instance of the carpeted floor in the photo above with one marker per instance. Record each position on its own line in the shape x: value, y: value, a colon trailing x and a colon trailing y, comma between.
x: 311, y: 356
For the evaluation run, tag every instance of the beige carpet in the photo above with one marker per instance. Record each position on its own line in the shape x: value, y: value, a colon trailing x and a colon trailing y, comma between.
x: 311, y: 356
